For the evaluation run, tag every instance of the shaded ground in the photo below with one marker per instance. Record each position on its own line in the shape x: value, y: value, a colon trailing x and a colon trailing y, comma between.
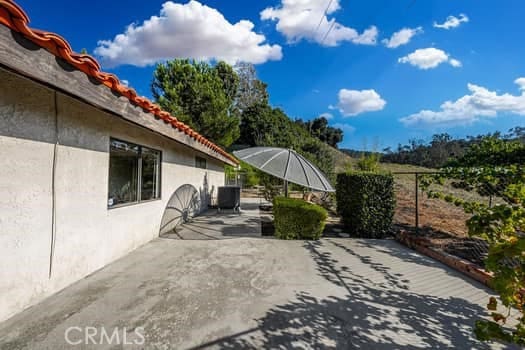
x: 226, y: 224
x: 257, y: 293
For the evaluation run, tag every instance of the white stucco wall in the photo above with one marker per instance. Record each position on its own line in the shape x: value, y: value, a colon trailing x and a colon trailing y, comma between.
x: 88, y: 234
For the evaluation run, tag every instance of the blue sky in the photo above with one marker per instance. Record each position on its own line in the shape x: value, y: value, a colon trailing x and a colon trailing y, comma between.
x: 322, y: 56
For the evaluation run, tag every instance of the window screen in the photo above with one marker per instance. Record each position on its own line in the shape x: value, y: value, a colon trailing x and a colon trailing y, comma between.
x: 134, y: 173
x: 200, y: 162
x: 150, y: 174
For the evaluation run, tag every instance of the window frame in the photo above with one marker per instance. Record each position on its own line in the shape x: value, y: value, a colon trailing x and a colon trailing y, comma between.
x: 199, y: 158
x: 139, y: 175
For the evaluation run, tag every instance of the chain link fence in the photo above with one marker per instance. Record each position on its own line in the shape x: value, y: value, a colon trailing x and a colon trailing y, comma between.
x: 441, y: 223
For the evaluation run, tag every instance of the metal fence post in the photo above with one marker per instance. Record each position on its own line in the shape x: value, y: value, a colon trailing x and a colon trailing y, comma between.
x: 417, y: 202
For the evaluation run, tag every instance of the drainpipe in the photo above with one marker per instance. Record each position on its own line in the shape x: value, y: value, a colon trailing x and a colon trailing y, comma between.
x: 53, y: 190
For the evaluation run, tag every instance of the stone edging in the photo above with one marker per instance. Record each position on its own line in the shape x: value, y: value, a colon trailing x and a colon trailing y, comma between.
x: 424, y: 246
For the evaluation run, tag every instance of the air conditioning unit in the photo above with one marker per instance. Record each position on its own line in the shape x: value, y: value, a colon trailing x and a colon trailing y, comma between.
x: 229, y: 197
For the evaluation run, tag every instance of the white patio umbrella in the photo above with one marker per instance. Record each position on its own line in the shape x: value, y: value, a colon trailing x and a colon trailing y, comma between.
x: 286, y: 164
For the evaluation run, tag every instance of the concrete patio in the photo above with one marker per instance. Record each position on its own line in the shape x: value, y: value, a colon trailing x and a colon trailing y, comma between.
x: 222, y: 225
x: 215, y: 289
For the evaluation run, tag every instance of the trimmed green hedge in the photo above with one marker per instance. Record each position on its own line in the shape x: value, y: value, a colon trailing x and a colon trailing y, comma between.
x: 297, y: 219
x: 366, y: 203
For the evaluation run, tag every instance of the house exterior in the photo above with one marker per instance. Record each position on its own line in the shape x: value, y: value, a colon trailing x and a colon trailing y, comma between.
x: 88, y: 167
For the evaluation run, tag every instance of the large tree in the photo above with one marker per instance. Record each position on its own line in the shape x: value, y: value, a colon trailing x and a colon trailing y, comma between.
x: 263, y: 125
x: 256, y: 123
x: 200, y: 95
x: 320, y: 129
x: 251, y: 90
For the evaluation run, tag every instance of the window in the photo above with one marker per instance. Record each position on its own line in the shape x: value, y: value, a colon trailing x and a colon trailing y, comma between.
x: 134, y: 173
x: 200, y: 162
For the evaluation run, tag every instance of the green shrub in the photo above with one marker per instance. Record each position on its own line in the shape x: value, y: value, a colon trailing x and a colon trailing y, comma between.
x: 366, y: 202
x: 297, y: 219
x: 368, y: 162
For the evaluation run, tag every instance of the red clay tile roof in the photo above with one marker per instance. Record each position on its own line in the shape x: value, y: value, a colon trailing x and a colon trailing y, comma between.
x: 12, y: 16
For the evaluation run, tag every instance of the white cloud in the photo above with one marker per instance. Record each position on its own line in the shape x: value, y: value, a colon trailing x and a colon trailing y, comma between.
x: 327, y: 115
x: 124, y: 82
x: 429, y: 58
x: 455, y: 63
x: 354, y: 102
x: 189, y: 30
x: 402, y: 37
x: 306, y: 19
x: 369, y: 37
x: 470, y: 108
x: 521, y: 83
x: 452, y: 22
x: 347, y: 128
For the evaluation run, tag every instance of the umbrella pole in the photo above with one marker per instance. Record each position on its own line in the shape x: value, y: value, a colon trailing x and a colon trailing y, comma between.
x: 286, y: 188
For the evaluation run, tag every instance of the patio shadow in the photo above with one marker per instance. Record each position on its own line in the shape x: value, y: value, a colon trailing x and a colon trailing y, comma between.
x: 225, y: 224
x: 366, y: 322
x: 370, y: 316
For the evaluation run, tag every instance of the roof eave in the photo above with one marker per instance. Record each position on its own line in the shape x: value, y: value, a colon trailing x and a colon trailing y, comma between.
x: 109, y: 94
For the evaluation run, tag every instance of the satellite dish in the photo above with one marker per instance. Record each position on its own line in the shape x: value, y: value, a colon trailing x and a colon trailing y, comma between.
x: 184, y: 204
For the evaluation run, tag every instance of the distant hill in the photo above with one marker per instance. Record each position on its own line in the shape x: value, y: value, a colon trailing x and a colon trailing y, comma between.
x: 341, y: 160
x: 355, y: 153
x: 344, y: 159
